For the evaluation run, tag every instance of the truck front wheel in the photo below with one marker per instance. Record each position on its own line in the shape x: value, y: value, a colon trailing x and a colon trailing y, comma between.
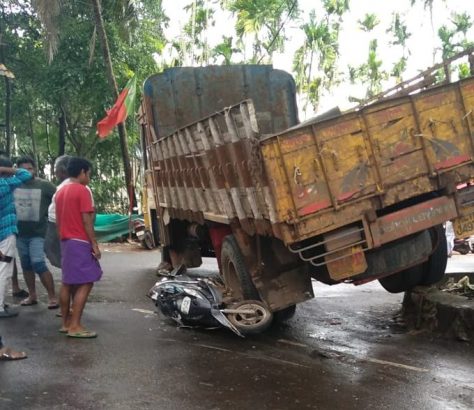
x: 235, y: 273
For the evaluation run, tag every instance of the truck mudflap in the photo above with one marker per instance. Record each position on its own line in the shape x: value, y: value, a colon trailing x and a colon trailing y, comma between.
x: 413, y: 219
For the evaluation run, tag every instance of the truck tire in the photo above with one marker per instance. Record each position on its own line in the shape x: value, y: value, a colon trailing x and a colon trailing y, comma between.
x: 155, y: 228
x: 283, y: 315
x: 435, y: 267
x: 403, y: 281
x: 235, y: 273
x: 147, y: 241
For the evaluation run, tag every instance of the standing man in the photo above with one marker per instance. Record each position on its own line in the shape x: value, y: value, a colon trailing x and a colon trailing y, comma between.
x: 10, y: 179
x: 52, y: 246
x: 79, y: 249
x: 32, y: 200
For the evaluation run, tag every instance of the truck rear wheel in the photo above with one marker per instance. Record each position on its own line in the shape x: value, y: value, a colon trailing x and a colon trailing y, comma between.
x: 235, y: 273
x: 435, y: 267
x: 403, y: 281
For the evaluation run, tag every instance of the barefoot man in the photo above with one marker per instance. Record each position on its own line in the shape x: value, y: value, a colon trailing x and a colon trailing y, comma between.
x: 79, y: 249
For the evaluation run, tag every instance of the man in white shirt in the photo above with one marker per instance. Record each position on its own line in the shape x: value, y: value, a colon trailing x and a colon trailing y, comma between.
x: 52, y: 247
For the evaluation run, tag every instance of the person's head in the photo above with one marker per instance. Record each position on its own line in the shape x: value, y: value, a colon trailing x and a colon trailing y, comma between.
x: 80, y: 169
x: 27, y: 163
x: 60, y: 167
x: 5, y: 162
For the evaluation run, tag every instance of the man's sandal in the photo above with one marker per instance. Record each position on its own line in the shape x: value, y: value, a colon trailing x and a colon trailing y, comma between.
x: 8, y: 354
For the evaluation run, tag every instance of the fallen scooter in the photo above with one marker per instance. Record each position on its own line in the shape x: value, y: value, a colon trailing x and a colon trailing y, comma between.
x: 199, y: 302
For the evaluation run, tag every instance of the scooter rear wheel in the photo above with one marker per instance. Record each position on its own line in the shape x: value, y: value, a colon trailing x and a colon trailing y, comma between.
x: 253, y: 323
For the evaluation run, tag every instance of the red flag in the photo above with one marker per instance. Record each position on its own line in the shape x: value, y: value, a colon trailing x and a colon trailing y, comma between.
x: 121, y: 109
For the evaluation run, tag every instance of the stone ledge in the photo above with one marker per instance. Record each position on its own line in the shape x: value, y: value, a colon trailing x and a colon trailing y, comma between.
x: 446, y: 314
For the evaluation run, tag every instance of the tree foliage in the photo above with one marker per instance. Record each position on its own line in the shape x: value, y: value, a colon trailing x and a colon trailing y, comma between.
x: 315, y: 62
x: 56, y: 102
x: 73, y: 84
x: 399, y: 30
x: 262, y: 22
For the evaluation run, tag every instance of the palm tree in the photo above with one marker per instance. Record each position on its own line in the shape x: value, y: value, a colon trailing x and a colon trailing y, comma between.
x: 315, y: 62
x: 48, y: 12
x: 8, y: 76
x: 399, y: 30
x: 99, y: 25
x: 429, y: 4
x: 194, y: 37
x: 370, y: 72
x: 264, y: 21
x: 225, y: 49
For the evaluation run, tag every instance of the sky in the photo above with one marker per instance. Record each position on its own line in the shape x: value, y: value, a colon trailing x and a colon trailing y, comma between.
x: 353, y: 41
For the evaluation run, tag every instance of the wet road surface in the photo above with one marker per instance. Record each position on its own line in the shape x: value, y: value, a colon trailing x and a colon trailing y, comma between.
x: 342, y: 350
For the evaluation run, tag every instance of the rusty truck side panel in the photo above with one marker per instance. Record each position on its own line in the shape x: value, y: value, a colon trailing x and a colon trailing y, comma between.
x: 183, y: 95
x: 211, y: 170
x: 328, y: 174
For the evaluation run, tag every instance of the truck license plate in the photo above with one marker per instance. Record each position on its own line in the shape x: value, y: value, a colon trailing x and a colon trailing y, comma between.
x: 464, y: 225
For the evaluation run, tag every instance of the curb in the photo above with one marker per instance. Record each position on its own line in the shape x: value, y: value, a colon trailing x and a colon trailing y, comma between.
x: 444, y: 313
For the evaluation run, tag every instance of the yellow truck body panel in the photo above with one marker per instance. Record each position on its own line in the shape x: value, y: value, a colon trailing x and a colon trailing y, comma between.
x: 323, y: 175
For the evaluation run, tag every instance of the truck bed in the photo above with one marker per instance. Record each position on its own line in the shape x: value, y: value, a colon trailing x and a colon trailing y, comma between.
x: 361, y: 169
x: 327, y: 174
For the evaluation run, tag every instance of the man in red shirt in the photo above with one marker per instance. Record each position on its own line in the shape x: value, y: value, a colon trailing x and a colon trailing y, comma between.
x: 79, y: 249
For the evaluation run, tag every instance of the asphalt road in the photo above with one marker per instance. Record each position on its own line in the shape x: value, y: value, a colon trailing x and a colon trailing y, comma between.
x: 342, y: 350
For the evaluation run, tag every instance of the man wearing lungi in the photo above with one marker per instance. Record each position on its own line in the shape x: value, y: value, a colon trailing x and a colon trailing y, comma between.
x: 80, y: 253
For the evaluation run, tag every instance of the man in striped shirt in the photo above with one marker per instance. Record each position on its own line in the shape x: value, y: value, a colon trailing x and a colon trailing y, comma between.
x: 10, y: 179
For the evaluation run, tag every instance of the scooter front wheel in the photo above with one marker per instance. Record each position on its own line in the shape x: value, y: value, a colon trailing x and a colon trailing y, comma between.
x: 254, y: 318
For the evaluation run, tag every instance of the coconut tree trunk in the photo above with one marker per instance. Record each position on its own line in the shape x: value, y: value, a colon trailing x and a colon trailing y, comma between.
x: 33, y: 140
x: 8, y: 130
x: 8, y: 133
x: 99, y: 24
x: 62, y: 134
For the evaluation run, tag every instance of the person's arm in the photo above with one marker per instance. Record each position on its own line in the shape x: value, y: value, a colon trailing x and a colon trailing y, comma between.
x: 88, y: 220
x: 15, y: 178
x: 7, y: 170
